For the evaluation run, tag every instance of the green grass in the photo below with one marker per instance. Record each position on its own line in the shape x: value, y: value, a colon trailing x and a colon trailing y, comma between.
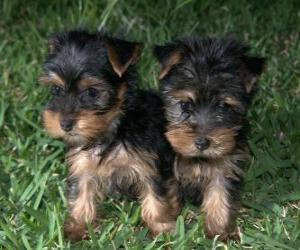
x: 32, y: 167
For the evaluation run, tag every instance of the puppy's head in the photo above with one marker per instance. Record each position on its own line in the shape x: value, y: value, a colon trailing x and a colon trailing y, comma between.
x: 88, y: 75
x: 207, y: 85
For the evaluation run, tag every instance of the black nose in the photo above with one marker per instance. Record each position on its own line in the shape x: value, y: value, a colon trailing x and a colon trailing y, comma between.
x: 66, y: 125
x: 202, y: 143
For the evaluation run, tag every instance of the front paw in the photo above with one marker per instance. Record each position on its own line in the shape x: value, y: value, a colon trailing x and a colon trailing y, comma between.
x: 75, y: 231
x: 223, y: 234
x: 162, y: 227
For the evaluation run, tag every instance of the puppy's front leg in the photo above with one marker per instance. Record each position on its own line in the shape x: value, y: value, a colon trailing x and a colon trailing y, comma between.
x: 219, y: 207
x: 83, y: 191
x: 161, y: 204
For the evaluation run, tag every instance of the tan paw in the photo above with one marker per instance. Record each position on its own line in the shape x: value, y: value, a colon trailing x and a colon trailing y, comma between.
x: 224, y: 235
x: 75, y: 231
x: 162, y: 227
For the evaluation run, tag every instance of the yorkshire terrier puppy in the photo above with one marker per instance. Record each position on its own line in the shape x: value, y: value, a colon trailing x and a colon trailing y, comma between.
x: 207, y: 86
x: 114, y: 132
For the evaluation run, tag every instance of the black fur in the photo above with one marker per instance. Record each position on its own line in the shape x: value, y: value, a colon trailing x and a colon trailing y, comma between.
x: 79, y: 55
x: 139, y: 125
x: 212, y: 68
x: 222, y: 77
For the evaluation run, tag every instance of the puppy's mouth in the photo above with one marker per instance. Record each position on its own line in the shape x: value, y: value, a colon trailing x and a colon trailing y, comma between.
x: 72, y: 133
x: 221, y: 142
x: 212, y: 153
x: 74, y: 138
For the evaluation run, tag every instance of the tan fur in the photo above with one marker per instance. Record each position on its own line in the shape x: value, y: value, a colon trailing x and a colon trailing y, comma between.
x: 160, y: 213
x: 82, y: 209
x: 183, y: 95
x: 206, y: 169
x: 222, y: 142
x: 130, y: 166
x: 51, y: 122
x: 249, y: 79
x: 91, y: 124
x: 182, y: 140
x: 133, y: 168
x: 186, y: 170
x: 233, y: 102
x: 53, y: 43
x: 250, y: 84
x: 155, y: 214
x: 213, y: 173
x: 216, y: 206
x: 75, y: 231
x: 52, y: 79
x: 80, y: 160
x: 174, y: 58
x: 88, y: 82
x: 118, y: 67
x: 83, y: 166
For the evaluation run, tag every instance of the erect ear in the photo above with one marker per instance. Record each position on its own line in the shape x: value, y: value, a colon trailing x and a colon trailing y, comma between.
x: 168, y: 56
x: 54, y: 43
x: 122, y: 54
x: 252, y: 69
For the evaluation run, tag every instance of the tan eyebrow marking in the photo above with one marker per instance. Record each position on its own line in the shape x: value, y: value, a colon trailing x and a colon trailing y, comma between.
x: 183, y: 95
x: 87, y: 82
x: 52, y: 79
x: 232, y: 101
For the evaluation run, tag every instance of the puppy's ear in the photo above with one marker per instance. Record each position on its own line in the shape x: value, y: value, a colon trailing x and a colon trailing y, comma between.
x: 168, y: 56
x: 122, y: 54
x: 252, y: 69
x: 54, y: 43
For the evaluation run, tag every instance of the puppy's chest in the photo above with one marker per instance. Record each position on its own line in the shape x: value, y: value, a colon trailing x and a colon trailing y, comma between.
x: 196, y: 175
x: 189, y: 171
x: 120, y: 172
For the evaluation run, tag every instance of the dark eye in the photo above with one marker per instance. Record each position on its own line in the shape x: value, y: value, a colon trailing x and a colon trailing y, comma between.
x: 186, y: 107
x: 92, y: 92
x: 57, y: 91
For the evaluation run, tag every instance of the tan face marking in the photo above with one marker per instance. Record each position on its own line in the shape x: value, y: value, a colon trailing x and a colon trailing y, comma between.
x: 90, y: 124
x: 233, y: 102
x: 88, y: 82
x: 52, y: 79
x: 183, y: 95
x: 222, y: 142
x: 51, y: 122
x: 182, y: 138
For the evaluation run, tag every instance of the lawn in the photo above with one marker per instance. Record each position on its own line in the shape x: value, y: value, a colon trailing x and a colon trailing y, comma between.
x: 33, y: 171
